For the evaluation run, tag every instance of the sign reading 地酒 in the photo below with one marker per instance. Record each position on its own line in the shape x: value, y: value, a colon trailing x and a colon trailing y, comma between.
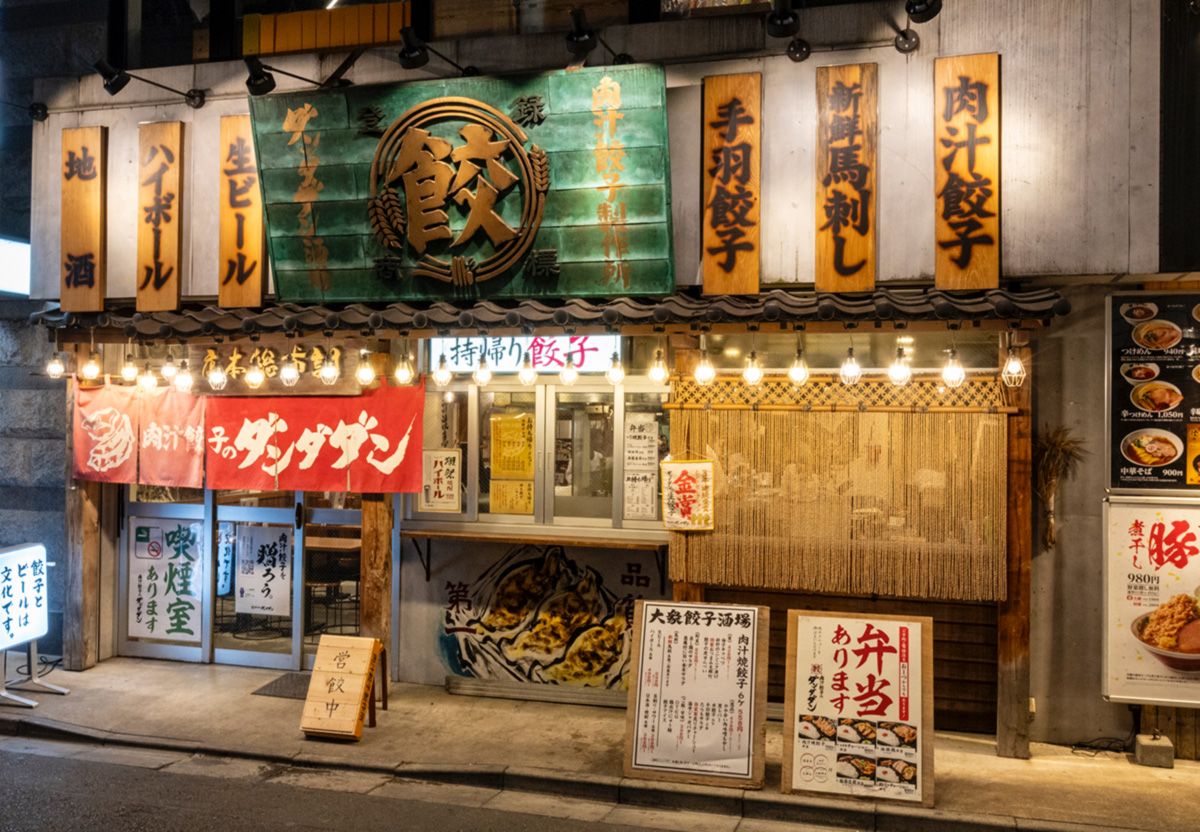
x: 83, y: 236
x: 847, y: 156
x: 967, y: 171
x: 24, y: 609
x: 858, y: 707
x: 160, y: 227
x: 698, y: 694
x: 731, y: 160
x: 545, y: 185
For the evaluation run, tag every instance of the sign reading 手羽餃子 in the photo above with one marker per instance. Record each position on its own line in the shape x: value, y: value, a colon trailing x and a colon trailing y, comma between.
x: 545, y: 185
x: 82, y: 250
x: 967, y: 171
x: 160, y: 234
x: 847, y: 156
x: 731, y: 160
x: 241, y: 221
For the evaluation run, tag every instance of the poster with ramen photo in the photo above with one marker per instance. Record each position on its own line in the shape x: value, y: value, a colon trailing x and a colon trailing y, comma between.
x: 1152, y: 602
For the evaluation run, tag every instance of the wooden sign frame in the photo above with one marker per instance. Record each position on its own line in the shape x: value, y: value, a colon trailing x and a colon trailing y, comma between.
x: 159, y: 216
x: 847, y: 192
x: 361, y: 695
x: 758, y: 693
x: 927, y: 724
x: 83, y: 219
x: 242, y: 264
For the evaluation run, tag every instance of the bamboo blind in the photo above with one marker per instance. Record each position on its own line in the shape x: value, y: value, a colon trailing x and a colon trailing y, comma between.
x: 907, y: 504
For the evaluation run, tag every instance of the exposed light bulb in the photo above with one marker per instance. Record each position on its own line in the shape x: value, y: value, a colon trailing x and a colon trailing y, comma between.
x: 54, y: 367
x: 91, y: 370
x: 442, y: 375
x: 569, y: 375
x: 365, y: 372
x: 1014, y: 369
x: 329, y: 372
x: 658, y: 370
x: 129, y: 369
x: 217, y: 379
x: 798, y: 372
x: 615, y: 372
x: 483, y: 373
x: 183, y: 379
x: 289, y: 373
x: 752, y: 374
x: 527, y: 375
x: 147, y: 380
x: 404, y: 370
x: 953, y: 374
x: 255, y: 376
x: 169, y: 369
x: 900, y: 373
x: 850, y: 372
x: 705, y: 372
x: 448, y: 397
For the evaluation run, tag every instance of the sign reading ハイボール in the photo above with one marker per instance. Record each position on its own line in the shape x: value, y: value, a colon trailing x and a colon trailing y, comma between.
x: 698, y: 694
x: 24, y: 612
x: 546, y: 185
x: 858, y: 708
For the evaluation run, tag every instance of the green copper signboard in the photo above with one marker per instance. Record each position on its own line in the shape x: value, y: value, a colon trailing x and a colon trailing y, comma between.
x: 551, y: 185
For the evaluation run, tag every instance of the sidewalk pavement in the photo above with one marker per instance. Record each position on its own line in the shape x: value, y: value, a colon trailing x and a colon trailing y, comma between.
x: 576, y: 751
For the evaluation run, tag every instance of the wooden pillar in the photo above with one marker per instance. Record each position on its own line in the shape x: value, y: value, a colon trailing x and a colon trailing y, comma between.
x: 1012, y: 705
x: 376, y: 587
x: 81, y: 601
x: 689, y: 593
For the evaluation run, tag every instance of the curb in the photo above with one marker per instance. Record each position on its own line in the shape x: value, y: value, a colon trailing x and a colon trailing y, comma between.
x: 823, y: 813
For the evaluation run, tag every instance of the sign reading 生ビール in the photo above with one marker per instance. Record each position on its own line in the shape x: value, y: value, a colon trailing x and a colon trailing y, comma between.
x: 24, y: 609
x: 858, y: 712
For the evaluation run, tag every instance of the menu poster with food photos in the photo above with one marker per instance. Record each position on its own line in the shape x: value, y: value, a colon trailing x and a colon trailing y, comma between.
x: 698, y: 694
x: 1154, y: 393
x: 1152, y: 615
x: 858, y: 707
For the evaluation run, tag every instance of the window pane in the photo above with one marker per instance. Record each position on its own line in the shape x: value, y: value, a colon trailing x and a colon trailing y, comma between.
x: 506, y: 452
x: 331, y: 582
x: 259, y: 499
x: 253, y: 609
x: 165, y: 494
x: 445, y: 431
x: 583, y: 454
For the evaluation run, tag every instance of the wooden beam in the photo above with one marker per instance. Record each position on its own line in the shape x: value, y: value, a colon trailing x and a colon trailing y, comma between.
x: 1012, y: 705
x: 693, y: 593
x: 376, y: 568
x: 81, y: 602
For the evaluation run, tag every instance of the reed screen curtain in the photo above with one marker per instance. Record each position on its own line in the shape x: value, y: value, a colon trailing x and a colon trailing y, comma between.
x: 909, y: 504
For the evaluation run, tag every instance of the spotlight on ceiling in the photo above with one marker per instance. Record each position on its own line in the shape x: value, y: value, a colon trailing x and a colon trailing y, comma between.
x: 582, y: 39
x: 259, y: 82
x: 783, y: 22
x: 918, y: 11
x: 116, y: 80
x: 414, y: 54
x: 36, y: 111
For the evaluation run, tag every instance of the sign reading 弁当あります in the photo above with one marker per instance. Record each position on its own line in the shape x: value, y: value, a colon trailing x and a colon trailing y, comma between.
x: 23, y: 605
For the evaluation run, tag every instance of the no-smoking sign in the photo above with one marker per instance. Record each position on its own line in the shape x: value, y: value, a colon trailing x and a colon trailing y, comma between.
x: 148, y: 542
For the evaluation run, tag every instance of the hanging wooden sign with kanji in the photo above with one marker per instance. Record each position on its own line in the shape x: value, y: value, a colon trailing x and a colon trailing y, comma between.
x: 82, y: 254
x: 847, y: 157
x: 241, y: 266
x: 159, y: 224
x: 967, y: 171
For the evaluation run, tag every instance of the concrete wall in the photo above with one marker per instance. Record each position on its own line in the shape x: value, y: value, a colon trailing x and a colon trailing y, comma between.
x: 33, y: 424
x: 1080, y: 137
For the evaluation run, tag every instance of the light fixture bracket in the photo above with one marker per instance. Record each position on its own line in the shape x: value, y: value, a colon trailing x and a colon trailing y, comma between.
x: 907, y: 41
x: 799, y: 50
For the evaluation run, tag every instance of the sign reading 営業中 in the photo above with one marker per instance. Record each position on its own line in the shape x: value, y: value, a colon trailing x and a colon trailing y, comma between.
x: 1152, y: 589
x: 166, y: 579
x: 547, y: 353
x: 697, y: 693
x: 341, y: 687
x: 263, y: 585
x: 858, y: 710
x: 24, y: 609
x: 554, y: 185
x: 687, y: 495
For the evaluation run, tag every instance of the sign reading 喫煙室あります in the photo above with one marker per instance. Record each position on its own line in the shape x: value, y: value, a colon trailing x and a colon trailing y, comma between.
x: 556, y: 184
x: 23, y: 605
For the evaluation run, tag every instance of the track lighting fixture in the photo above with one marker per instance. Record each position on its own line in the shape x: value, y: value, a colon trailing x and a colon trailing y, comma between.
x: 582, y: 39
x: 414, y: 54
x: 260, y: 81
x: 116, y: 80
x: 918, y: 11
x: 783, y: 22
x: 36, y: 111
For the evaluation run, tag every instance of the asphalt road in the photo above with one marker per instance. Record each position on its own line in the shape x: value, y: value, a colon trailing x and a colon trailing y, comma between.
x: 65, y: 786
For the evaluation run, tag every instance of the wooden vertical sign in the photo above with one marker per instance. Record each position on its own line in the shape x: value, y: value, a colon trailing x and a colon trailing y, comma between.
x: 241, y: 217
x: 83, y: 227
x: 847, y: 155
x: 967, y: 171
x: 160, y: 164
x: 732, y: 145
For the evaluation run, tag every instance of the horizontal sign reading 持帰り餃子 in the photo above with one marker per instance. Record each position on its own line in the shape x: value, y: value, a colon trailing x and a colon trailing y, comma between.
x: 547, y: 353
x: 540, y: 185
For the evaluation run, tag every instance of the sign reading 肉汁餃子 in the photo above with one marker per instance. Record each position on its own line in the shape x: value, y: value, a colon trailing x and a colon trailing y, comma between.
x: 82, y: 254
x: 555, y: 185
x: 687, y: 495
x: 731, y: 160
x: 24, y: 609
x: 967, y: 171
x: 241, y: 217
x: 159, y: 224
x: 858, y: 707
x: 166, y: 579
x: 698, y: 694
x: 264, y: 576
x: 171, y: 446
x: 847, y: 155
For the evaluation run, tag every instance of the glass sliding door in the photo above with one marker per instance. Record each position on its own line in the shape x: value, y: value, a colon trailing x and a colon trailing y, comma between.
x: 332, y: 568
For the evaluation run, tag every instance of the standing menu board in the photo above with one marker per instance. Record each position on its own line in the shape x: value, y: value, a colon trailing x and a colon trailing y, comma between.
x: 1154, y: 393
x: 858, y: 709
x: 698, y: 694
x: 24, y: 609
x: 1151, y: 617
x: 342, y: 687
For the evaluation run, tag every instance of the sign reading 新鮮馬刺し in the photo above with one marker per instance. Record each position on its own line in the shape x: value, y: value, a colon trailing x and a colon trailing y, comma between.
x: 555, y: 184
x: 698, y: 694
x: 24, y: 609
x: 858, y: 708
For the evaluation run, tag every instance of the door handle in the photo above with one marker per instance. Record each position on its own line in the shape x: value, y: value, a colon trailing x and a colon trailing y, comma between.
x: 299, y: 516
